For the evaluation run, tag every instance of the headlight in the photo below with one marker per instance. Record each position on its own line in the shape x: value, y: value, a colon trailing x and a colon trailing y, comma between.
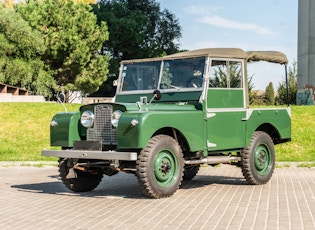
x: 115, y: 117
x: 87, y: 119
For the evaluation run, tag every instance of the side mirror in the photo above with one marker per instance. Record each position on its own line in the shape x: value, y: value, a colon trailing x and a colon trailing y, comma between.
x: 157, y: 95
x: 61, y: 97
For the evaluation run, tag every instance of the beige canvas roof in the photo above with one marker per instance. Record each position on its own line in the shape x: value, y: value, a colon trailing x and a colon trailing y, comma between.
x: 270, y: 56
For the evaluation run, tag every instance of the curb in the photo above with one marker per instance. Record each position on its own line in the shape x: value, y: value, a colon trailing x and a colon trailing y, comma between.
x: 38, y: 164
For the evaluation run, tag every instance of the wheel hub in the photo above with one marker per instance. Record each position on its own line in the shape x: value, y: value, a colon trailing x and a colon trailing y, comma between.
x: 262, y: 160
x: 165, y: 167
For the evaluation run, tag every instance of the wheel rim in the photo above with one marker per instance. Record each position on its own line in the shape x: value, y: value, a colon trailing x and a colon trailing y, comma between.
x: 165, y: 168
x: 262, y: 159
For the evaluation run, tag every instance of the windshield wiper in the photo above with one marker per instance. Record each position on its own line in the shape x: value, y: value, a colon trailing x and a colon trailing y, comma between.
x: 171, y: 86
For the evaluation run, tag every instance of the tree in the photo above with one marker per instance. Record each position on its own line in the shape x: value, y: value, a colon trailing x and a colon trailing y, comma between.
x: 8, y: 3
x: 138, y: 29
x: 292, y: 86
x: 270, y: 95
x: 221, y: 80
x: 20, y: 47
x: 86, y: 1
x: 73, y: 41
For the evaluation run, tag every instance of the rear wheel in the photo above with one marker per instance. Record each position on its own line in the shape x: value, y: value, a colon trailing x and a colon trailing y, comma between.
x: 79, y: 181
x: 190, y: 171
x: 160, y: 167
x: 258, y: 159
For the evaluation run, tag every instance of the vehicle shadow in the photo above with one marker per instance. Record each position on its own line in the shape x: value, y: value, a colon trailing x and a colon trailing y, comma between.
x: 207, y: 180
x: 120, y: 185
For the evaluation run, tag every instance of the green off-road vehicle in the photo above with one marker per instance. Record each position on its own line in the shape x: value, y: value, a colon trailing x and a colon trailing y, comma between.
x: 169, y: 116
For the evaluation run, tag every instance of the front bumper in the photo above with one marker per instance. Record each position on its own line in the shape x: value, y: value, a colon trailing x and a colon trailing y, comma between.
x: 88, y: 154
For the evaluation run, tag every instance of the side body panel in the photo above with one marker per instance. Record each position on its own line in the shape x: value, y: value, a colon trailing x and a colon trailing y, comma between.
x: 234, y: 129
x: 225, y: 98
x: 226, y: 129
x: 260, y: 119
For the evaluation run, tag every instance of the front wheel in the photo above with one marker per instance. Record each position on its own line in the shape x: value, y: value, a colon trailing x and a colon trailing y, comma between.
x: 258, y: 159
x: 82, y: 181
x: 160, y: 167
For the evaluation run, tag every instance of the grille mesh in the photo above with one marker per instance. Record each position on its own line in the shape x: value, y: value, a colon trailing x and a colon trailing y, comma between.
x: 103, y: 129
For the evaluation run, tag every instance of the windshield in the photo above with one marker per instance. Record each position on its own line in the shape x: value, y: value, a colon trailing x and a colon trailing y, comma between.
x: 141, y: 76
x: 176, y: 74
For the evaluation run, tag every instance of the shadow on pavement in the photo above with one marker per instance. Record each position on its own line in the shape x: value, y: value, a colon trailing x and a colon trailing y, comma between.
x: 205, y: 180
x: 121, y: 185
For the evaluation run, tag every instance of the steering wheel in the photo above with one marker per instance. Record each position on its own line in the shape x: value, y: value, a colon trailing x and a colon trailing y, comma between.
x: 195, y: 82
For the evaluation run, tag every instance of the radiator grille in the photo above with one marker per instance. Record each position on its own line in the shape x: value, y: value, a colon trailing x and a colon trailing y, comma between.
x: 103, y: 129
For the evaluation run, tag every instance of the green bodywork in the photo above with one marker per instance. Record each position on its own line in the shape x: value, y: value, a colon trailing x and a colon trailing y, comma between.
x: 206, y: 118
x: 184, y: 118
x: 67, y: 130
x: 211, y: 130
x: 225, y: 98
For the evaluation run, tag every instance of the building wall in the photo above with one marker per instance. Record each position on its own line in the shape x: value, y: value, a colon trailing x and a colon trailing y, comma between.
x: 306, y: 52
x: 8, y: 97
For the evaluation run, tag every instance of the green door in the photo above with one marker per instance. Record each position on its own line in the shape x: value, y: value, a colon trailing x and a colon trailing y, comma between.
x: 226, y: 105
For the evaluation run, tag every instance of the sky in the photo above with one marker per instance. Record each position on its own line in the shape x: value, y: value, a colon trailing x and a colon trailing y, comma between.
x: 246, y: 24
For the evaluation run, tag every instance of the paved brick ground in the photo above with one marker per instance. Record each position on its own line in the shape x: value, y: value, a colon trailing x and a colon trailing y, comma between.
x: 217, y: 198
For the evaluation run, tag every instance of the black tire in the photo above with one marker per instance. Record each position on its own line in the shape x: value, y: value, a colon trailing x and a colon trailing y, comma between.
x: 83, y: 182
x: 258, y: 159
x: 160, y: 167
x: 190, y: 171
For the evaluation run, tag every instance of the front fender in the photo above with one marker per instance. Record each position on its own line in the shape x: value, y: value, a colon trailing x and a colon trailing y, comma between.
x: 64, y: 129
x: 190, y: 123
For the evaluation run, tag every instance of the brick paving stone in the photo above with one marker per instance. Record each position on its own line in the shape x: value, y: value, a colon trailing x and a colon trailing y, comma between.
x: 217, y: 198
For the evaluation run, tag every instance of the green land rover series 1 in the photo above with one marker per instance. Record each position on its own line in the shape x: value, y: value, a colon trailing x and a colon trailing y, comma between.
x: 169, y: 116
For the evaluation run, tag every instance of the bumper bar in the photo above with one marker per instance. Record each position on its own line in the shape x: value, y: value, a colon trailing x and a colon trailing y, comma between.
x: 86, y: 154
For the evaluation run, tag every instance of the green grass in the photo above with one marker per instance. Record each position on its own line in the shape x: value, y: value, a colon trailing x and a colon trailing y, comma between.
x: 24, y: 132
x: 301, y: 148
x: 24, y: 129
x: 306, y: 165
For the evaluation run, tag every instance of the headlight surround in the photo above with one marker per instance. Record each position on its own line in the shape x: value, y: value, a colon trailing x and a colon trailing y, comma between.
x: 115, y: 117
x: 87, y: 119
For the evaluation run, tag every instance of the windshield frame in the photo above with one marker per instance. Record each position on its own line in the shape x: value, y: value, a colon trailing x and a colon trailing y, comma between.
x: 174, y: 88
